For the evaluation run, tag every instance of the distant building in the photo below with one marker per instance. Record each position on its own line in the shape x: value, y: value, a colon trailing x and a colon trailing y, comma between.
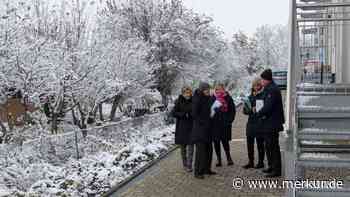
x: 13, y: 110
x: 325, y: 44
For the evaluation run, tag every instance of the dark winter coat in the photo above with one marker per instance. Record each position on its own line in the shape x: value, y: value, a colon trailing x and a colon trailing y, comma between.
x: 254, y: 123
x: 272, y: 113
x: 201, y: 117
x: 184, y: 122
x: 222, y: 121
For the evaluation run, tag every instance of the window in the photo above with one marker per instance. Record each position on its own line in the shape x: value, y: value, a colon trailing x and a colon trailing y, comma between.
x: 280, y: 74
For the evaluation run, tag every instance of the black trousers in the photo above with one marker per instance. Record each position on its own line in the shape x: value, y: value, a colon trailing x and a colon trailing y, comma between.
x: 261, y: 148
x: 187, y: 155
x: 226, y: 145
x: 273, y: 151
x: 203, y: 158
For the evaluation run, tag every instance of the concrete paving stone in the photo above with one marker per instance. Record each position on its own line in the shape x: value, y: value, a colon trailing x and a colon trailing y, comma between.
x: 169, y: 179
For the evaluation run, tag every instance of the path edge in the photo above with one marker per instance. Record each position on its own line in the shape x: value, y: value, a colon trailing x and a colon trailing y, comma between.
x: 140, y: 171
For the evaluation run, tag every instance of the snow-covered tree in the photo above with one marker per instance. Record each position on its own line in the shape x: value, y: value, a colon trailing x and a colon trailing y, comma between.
x: 268, y: 47
x: 272, y: 45
x: 246, y: 51
x: 183, y: 46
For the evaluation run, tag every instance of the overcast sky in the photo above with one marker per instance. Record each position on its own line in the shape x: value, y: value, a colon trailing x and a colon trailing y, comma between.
x: 245, y: 15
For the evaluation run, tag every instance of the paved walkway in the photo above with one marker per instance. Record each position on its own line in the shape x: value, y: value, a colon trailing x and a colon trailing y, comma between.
x: 167, y: 178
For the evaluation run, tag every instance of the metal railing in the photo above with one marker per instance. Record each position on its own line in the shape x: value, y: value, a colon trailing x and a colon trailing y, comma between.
x: 76, y: 144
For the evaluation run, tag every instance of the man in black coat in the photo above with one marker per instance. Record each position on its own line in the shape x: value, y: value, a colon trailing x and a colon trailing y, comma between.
x: 272, y: 115
x: 201, y: 103
x: 182, y: 111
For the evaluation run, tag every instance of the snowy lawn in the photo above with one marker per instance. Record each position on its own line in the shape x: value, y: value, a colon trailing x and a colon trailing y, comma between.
x: 29, y: 174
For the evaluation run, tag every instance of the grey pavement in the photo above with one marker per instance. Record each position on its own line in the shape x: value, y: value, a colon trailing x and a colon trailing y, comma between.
x: 167, y: 178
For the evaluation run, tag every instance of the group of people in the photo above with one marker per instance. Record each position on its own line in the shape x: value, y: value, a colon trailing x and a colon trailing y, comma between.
x: 204, y: 119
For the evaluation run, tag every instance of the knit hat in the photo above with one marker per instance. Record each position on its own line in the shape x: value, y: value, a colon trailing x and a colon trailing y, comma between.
x: 204, y: 86
x: 267, y: 74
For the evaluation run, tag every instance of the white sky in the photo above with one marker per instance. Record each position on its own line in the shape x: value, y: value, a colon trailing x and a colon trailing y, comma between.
x: 245, y: 15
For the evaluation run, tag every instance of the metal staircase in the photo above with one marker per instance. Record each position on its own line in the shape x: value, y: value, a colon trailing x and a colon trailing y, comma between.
x: 322, y: 134
x: 318, y: 111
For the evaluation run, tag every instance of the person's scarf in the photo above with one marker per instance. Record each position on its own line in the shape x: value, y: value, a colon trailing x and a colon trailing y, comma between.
x: 220, y: 96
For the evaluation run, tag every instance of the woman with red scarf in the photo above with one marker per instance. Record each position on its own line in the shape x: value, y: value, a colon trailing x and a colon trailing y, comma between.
x: 223, y: 115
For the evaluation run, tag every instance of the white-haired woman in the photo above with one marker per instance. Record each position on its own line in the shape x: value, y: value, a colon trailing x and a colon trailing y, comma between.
x: 183, y: 113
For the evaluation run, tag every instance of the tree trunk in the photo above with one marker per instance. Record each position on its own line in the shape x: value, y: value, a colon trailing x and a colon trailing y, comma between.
x: 115, y: 105
x: 92, y: 114
x: 3, y: 128
x: 75, y: 120
x: 56, y: 112
x: 82, y: 123
x: 100, y: 109
x: 4, y: 132
x: 54, y: 123
x: 165, y: 100
x: 91, y: 117
x: 121, y: 108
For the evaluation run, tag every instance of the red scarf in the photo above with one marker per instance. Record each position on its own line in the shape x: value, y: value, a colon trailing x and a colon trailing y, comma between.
x: 220, y: 96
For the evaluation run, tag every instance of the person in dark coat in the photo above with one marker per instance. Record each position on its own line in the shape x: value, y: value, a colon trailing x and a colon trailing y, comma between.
x: 253, y: 126
x: 222, y: 120
x: 272, y: 115
x: 201, y: 137
x: 182, y: 111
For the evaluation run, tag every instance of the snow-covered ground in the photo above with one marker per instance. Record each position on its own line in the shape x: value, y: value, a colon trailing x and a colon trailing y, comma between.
x: 105, y: 162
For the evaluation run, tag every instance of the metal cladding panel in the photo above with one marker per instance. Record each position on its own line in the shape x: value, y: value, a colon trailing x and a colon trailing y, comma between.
x: 323, y: 193
x: 320, y: 88
x: 334, y: 160
x: 329, y: 135
x: 328, y: 124
x: 330, y: 102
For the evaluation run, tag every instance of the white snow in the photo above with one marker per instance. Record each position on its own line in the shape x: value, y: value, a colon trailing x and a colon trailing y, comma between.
x: 28, y: 173
x: 106, y: 109
x: 4, y: 192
